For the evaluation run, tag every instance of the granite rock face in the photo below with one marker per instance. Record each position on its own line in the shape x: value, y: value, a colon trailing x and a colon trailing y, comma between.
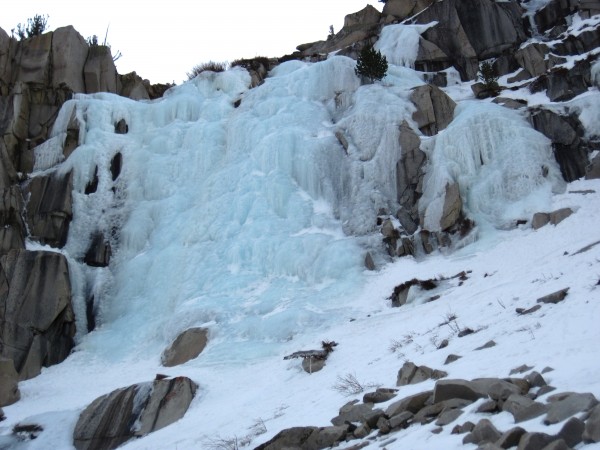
x: 37, y: 323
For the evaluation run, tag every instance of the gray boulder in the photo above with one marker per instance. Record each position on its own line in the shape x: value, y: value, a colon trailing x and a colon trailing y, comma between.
x: 532, y: 58
x: 565, y: 132
x: 99, y: 72
x: 535, y: 441
x: 592, y: 171
x: 50, y: 208
x: 435, y: 109
x: 9, y: 380
x: 563, y: 406
x: 452, y: 207
x: 134, y: 411
x: 483, y: 432
x: 188, y: 345
x: 511, y: 437
x: 592, y: 426
x: 523, y: 408
x: 410, y: 373
x: 34, y: 56
x: 572, y: 432
x: 413, y: 404
x: 352, y: 412
x: 69, y: 53
x: 555, y: 297
x: 37, y: 321
x: 409, y: 170
x: 290, y: 438
x: 380, y: 395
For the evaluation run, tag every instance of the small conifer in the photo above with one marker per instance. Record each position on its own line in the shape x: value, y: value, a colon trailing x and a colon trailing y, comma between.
x: 371, y: 64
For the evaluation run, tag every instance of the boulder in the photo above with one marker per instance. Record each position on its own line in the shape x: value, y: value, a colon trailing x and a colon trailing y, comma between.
x: 133, y: 87
x: 380, y: 395
x: 37, y: 321
x: 452, y: 207
x: 483, y: 432
x: 413, y: 374
x: 566, y: 405
x: 435, y: 109
x: 572, y: 432
x: 312, y: 364
x: 366, y: 16
x: 510, y: 438
x: 555, y: 297
x: 532, y: 58
x: 99, y: 72
x: 50, y: 209
x: 539, y: 220
x: 188, y: 345
x: 564, y: 131
x: 352, y: 412
x: 592, y: 171
x: 535, y: 441
x: 431, y: 58
x: 290, y: 438
x: 134, y: 411
x: 9, y: 380
x: 523, y: 408
x: 69, y: 53
x: 412, y: 404
x: 34, y: 56
x: 494, y: 388
x: 592, y: 426
x: 409, y: 170
x: 326, y: 437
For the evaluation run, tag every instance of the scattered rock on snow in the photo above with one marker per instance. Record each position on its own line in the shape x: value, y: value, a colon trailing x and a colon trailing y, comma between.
x: 521, y: 369
x: 563, y: 406
x: 555, y: 297
x: 410, y: 373
x: 380, y: 395
x: 523, y: 408
x: 592, y: 426
x: 483, y: 432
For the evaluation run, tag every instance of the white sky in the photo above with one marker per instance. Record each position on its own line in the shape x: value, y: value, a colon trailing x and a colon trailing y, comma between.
x: 162, y: 41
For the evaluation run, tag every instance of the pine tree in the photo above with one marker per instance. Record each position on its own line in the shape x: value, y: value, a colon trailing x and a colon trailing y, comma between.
x: 487, y: 74
x: 371, y: 64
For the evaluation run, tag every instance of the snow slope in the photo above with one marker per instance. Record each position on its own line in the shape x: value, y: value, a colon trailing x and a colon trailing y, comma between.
x: 253, y: 221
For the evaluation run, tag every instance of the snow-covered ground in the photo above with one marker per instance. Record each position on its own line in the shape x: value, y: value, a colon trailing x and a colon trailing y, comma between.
x: 253, y: 221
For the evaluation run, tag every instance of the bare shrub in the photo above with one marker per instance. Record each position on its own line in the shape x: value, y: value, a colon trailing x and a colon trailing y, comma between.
x: 349, y: 385
x: 210, y: 66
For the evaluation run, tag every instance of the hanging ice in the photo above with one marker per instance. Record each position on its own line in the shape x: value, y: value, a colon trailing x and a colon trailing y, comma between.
x: 504, y: 168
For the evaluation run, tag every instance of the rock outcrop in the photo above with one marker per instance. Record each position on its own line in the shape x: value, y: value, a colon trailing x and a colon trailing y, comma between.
x: 37, y: 321
x: 131, y: 412
x: 9, y: 379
